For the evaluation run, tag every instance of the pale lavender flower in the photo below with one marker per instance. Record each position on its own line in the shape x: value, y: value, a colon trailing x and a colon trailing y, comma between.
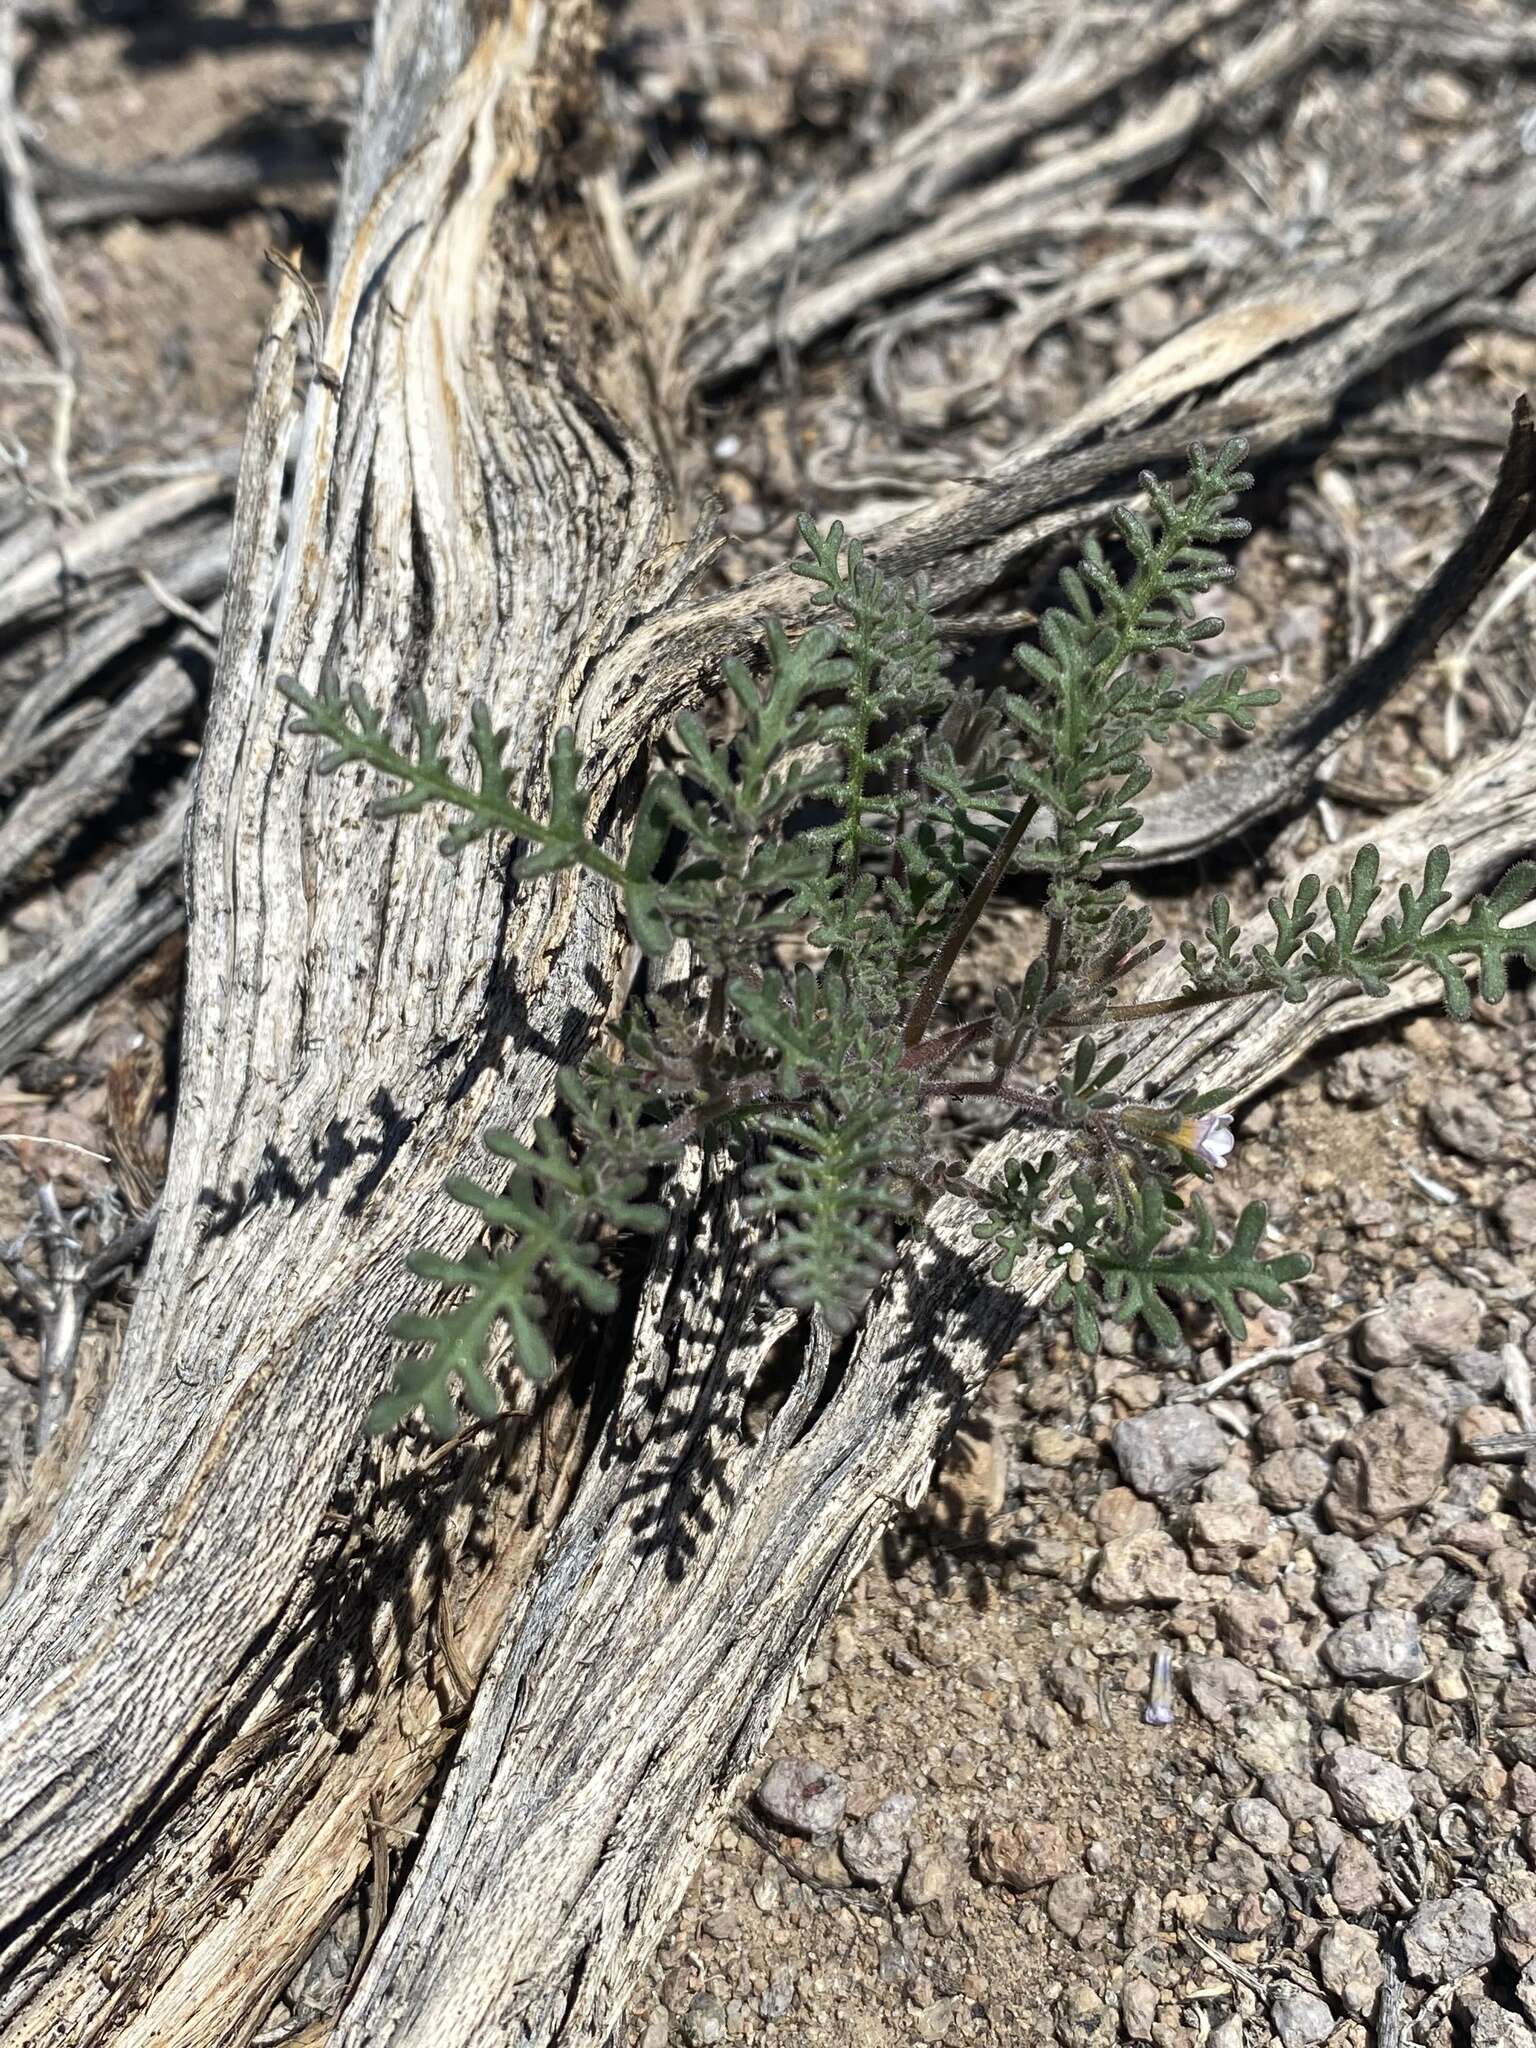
x: 1213, y: 1139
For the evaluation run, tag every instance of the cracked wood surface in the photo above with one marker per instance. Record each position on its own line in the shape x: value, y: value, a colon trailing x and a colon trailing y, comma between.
x: 239, y: 1639
x: 476, y: 509
x: 639, y: 1676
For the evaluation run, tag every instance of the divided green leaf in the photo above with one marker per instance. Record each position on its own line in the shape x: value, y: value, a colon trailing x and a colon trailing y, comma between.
x: 805, y: 870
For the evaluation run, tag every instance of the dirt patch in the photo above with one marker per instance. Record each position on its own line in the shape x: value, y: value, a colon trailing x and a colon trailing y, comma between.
x: 992, y: 1668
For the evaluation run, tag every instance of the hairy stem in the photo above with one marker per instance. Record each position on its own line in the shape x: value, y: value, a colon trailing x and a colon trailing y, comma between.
x: 1056, y: 934
x: 1041, y: 1107
x: 1165, y: 1006
x: 1027, y: 1033
x: 948, y: 1045
x: 858, y: 768
x: 714, y: 1016
x: 937, y: 978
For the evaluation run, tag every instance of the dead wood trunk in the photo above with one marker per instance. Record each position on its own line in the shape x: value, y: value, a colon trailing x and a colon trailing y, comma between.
x: 239, y: 1640
x: 195, y: 1619
x: 645, y: 1664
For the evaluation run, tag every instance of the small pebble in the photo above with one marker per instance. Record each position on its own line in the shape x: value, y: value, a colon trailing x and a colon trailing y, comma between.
x: 1082, y: 2018
x: 1262, y: 1826
x: 1291, y: 1479
x: 929, y: 1877
x: 1301, y: 2019
x: 1368, y: 1791
x: 1391, y: 1463
x: 803, y: 1797
x: 1355, y: 1878
x: 1367, y: 1076
x: 1138, y: 2008
x: 1148, y: 1570
x: 1220, y: 1687
x: 1168, y: 1452
x: 875, y: 1849
x: 1022, y: 1857
x: 704, y: 2023
x: 1466, y: 1124
x: 1380, y: 1647
x: 1218, y: 1537
x: 1495, y: 2026
x: 1069, y: 1902
x: 1446, y: 1939
x: 1349, y: 1963
x: 1517, y: 1215
x: 1431, y: 1320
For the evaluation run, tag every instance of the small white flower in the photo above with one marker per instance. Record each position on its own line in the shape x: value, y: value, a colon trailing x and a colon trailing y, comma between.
x: 1213, y: 1138
x: 1070, y: 1255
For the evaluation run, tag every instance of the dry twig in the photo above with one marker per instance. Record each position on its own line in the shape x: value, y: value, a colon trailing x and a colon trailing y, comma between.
x: 1268, y: 777
x: 136, y: 904
x: 71, y: 1279
x: 99, y: 768
x: 213, y: 181
x: 34, y: 261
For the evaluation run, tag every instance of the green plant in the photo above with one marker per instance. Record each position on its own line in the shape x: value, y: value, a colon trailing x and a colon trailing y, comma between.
x: 857, y: 821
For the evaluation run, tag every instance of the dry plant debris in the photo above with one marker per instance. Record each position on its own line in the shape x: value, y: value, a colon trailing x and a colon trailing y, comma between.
x: 969, y: 267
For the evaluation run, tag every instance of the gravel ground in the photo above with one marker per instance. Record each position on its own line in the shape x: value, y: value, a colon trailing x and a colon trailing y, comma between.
x: 985, y: 1817
x: 981, y: 1822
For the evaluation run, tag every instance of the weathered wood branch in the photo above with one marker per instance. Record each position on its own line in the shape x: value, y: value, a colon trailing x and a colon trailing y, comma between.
x: 1002, y: 213
x: 135, y: 905
x: 477, y: 510
x: 197, y: 575
x: 645, y: 1665
x: 157, y: 704
x: 240, y: 173
x: 1275, y: 773
x: 239, y: 1640
x: 806, y: 236
x: 34, y: 261
x: 58, y: 563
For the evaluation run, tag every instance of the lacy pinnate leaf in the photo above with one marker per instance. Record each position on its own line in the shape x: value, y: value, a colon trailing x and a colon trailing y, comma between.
x: 1302, y: 955
x: 806, y: 868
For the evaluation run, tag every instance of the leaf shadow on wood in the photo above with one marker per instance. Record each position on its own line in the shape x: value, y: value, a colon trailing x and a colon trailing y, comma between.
x: 685, y: 1433
x: 396, y: 1549
x: 332, y: 1155
x: 697, y: 1422
x: 973, y: 1310
x: 401, y: 1549
x: 506, y: 1027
